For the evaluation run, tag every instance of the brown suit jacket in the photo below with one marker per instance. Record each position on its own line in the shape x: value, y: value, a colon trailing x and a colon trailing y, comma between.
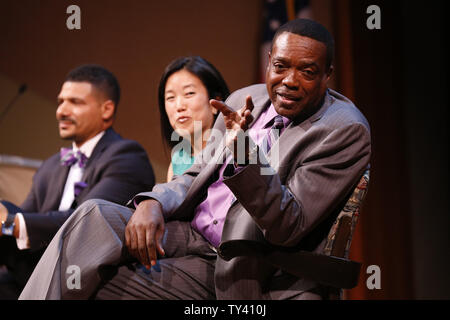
x: 319, y: 160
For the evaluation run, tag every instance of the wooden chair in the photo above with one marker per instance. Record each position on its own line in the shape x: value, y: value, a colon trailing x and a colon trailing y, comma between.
x: 332, y: 267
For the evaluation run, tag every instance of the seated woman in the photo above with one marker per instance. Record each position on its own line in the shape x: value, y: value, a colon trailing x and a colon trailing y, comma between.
x: 185, y: 88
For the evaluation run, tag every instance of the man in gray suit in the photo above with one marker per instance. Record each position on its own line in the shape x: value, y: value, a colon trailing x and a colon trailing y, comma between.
x: 281, y: 192
x: 100, y: 164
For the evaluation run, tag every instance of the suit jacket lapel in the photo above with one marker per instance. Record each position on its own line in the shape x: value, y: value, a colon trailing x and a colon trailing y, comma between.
x: 109, y: 137
x: 261, y: 103
x: 57, y: 186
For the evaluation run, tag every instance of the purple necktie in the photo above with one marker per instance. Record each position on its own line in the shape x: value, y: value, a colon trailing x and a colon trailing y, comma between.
x: 69, y: 157
x: 274, y: 131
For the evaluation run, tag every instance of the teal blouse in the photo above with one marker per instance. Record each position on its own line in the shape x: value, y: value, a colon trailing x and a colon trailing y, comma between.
x: 181, y: 161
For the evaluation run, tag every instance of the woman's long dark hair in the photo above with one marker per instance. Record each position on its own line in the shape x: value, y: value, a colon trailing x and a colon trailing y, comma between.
x: 205, y: 71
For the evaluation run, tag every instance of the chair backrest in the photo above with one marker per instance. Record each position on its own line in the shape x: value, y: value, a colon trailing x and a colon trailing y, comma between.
x: 16, y: 174
x: 341, y: 233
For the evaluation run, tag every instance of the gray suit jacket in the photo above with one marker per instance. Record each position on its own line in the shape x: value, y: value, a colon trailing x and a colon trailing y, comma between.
x: 320, y: 160
x: 117, y: 169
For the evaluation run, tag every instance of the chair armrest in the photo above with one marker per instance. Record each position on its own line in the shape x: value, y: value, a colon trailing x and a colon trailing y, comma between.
x: 328, y: 270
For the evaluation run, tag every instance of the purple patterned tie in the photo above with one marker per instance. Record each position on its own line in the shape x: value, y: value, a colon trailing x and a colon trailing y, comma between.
x: 69, y: 157
x: 274, y: 131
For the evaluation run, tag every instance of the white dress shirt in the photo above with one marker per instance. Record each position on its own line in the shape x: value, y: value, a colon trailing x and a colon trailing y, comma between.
x: 74, y: 176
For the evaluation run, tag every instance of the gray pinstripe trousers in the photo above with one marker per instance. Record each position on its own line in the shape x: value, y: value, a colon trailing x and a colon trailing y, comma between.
x: 91, y: 242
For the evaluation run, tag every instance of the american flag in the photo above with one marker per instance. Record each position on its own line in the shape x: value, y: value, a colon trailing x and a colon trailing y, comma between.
x: 277, y: 13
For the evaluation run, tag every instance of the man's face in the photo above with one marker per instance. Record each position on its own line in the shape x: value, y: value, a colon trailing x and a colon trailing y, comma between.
x: 296, y: 75
x: 80, y: 112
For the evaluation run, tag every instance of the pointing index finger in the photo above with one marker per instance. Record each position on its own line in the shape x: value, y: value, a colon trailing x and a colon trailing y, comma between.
x: 248, y: 104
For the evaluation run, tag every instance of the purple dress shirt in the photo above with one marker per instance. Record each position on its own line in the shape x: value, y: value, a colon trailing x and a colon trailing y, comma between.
x: 210, y: 214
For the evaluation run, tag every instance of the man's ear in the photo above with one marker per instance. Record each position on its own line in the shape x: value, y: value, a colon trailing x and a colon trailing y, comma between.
x: 108, y: 108
x: 330, y: 72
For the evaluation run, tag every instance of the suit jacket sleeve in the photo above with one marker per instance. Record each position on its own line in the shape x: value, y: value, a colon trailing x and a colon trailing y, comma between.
x: 172, y: 194
x: 286, y: 213
x: 122, y: 171
x: 30, y: 204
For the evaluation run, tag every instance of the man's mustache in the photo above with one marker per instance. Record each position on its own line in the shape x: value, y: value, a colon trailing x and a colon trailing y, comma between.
x: 67, y: 119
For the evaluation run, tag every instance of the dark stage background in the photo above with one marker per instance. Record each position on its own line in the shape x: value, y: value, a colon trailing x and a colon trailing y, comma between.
x: 396, y: 76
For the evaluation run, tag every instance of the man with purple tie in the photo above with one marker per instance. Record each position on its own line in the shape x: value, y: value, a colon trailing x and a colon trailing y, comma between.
x: 100, y: 164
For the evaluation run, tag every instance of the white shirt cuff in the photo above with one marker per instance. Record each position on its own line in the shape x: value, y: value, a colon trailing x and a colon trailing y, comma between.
x: 22, y: 240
